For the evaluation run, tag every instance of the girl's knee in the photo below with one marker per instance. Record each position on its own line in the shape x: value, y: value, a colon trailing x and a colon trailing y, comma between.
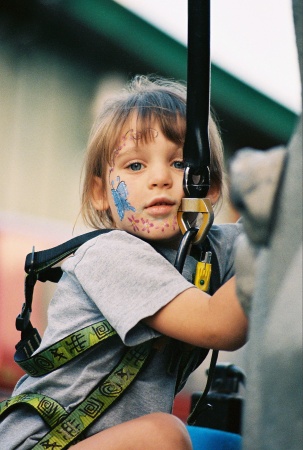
x: 170, y: 432
x: 151, y: 432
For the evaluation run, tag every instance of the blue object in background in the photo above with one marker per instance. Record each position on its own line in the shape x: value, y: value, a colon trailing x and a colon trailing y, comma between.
x: 210, y: 439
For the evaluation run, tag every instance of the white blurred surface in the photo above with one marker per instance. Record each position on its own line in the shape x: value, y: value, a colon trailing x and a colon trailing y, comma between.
x: 252, y: 39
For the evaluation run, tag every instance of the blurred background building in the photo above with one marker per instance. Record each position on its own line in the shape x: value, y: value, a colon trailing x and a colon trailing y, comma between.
x: 59, y: 60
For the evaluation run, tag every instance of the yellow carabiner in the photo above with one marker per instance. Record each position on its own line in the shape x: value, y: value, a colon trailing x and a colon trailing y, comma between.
x: 196, y: 205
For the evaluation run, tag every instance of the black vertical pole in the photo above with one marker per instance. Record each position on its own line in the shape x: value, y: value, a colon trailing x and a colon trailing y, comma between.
x: 196, y: 147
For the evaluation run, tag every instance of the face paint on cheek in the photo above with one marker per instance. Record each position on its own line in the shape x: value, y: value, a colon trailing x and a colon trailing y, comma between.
x: 134, y: 223
x: 120, y: 195
x: 138, y: 224
x: 168, y: 224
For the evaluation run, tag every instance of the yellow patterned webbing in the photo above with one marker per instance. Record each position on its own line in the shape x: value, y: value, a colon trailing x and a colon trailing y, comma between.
x: 66, y: 349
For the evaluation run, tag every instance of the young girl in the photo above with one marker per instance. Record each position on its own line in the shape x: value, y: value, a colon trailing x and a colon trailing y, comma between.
x: 133, y: 185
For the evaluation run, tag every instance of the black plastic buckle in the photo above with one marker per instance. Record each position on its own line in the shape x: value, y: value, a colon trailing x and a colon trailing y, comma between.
x: 22, y: 319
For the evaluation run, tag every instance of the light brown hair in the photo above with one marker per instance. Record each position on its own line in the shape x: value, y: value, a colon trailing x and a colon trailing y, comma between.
x: 151, y: 99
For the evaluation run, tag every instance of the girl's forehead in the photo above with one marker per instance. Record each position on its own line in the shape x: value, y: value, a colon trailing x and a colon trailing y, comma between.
x: 134, y: 139
x: 139, y: 123
x: 137, y: 129
x: 139, y: 134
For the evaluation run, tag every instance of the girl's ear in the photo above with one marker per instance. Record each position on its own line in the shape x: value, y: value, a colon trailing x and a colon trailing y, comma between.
x: 213, y: 194
x: 99, y: 196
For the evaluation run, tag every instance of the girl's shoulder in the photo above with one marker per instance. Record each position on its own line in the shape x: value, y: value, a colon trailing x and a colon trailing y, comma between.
x: 113, y: 246
x: 222, y: 239
x: 225, y: 232
x: 111, y: 240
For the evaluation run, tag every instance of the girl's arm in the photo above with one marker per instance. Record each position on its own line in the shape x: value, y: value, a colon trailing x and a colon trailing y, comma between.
x: 197, y: 318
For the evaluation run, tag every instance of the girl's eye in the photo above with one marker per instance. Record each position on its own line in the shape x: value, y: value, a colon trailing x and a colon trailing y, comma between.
x: 135, y: 166
x: 178, y: 165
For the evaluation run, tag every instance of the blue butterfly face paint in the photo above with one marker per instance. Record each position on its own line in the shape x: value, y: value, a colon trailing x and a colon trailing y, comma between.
x: 120, y: 198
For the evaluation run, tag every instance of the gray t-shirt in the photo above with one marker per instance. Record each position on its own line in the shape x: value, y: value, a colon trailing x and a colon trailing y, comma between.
x: 123, y: 279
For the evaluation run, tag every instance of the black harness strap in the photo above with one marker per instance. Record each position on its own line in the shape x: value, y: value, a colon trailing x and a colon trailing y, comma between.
x: 40, y: 261
x: 184, y: 359
x: 215, y: 283
x: 38, y: 266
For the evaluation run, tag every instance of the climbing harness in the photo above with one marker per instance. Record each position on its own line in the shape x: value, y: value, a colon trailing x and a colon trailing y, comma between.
x: 66, y: 428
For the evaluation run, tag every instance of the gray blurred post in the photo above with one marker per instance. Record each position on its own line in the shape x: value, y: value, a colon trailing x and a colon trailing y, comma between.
x: 273, y: 408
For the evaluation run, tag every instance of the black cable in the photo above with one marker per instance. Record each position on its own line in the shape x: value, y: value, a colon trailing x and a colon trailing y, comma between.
x: 184, y: 247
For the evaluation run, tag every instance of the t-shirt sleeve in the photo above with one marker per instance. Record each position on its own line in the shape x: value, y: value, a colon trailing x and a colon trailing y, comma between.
x: 128, y: 280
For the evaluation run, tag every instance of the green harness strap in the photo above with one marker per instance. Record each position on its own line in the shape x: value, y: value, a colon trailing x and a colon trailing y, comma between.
x: 50, y: 410
x: 64, y: 350
x: 106, y: 392
x: 66, y: 428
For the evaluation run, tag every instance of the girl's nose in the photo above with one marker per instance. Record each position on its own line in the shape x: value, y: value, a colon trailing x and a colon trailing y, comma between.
x: 160, y: 176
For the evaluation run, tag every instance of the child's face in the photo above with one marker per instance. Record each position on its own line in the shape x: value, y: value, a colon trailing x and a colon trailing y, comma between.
x: 145, y: 184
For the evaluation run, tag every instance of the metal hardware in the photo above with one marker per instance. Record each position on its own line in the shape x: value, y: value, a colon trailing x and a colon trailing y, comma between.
x: 196, y: 205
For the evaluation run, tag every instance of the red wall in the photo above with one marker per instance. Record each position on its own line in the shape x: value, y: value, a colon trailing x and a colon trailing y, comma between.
x: 16, y: 242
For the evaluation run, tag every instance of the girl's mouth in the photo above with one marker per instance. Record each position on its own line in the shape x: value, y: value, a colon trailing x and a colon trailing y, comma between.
x: 160, y: 207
